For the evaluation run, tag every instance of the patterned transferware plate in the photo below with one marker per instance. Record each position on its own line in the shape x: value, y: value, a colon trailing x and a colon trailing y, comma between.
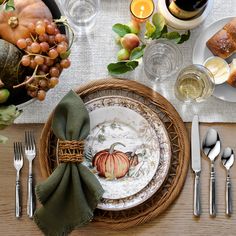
x: 122, y: 148
x: 117, y: 105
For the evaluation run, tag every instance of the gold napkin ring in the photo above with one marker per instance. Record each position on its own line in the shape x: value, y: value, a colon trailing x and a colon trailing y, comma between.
x: 70, y: 151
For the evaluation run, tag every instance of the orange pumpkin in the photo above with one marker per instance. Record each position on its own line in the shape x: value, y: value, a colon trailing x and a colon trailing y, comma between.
x: 111, y: 163
x: 14, y: 24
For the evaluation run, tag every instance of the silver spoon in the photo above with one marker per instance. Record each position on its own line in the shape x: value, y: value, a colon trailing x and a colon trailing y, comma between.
x: 211, y: 147
x: 227, y: 159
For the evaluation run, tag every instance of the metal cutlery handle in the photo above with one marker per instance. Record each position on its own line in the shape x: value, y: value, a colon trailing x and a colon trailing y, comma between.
x: 228, y: 197
x: 196, y: 204
x: 30, y: 203
x: 18, y: 205
x: 212, y: 192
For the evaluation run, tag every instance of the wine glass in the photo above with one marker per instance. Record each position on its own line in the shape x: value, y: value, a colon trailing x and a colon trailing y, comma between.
x: 195, y: 83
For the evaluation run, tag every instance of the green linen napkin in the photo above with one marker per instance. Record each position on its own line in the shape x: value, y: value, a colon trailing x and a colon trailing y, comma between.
x: 72, y: 192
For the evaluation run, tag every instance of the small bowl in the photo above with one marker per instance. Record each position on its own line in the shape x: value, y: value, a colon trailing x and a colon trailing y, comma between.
x: 220, y: 81
x: 179, y: 24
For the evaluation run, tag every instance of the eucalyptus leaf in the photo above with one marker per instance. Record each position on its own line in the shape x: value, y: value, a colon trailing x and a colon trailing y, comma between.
x: 137, y: 53
x: 121, y: 67
x: 150, y: 29
x: 121, y: 29
x: 184, y: 37
x: 159, y: 21
x: 10, y: 6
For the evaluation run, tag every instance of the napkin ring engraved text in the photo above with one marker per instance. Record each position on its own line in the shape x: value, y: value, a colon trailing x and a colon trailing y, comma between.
x: 70, y: 151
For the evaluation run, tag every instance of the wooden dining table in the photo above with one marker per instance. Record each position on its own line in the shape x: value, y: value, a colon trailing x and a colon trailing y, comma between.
x: 178, y: 219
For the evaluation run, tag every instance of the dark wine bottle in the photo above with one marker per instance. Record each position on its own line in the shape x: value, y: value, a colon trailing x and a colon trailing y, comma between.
x: 186, y: 9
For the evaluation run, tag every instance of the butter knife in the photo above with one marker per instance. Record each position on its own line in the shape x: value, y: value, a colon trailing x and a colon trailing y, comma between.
x: 196, y: 164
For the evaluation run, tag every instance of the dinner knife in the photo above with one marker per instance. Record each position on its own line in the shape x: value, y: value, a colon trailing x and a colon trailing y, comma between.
x: 196, y: 164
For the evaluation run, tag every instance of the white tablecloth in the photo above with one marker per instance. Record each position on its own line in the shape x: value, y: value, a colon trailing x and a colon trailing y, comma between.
x: 91, y: 54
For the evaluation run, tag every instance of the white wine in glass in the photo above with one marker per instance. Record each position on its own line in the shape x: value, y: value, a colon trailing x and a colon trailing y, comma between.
x: 195, y: 83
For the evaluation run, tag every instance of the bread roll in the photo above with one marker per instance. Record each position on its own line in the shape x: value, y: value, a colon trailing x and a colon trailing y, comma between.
x: 232, y: 77
x: 223, y: 43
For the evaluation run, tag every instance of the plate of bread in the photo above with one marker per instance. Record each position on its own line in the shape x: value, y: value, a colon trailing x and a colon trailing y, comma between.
x: 215, y: 48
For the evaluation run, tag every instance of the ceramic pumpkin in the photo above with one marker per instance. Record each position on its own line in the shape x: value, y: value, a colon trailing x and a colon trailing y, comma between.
x: 111, y: 163
x: 14, y: 24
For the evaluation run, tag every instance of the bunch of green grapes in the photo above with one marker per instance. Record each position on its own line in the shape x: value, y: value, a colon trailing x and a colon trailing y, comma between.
x: 46, y: 52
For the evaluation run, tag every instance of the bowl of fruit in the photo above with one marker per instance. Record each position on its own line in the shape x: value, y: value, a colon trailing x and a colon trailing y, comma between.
x: 34, y: 49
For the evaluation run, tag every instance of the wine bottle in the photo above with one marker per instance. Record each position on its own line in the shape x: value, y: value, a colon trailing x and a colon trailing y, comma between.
x: 186, y: 9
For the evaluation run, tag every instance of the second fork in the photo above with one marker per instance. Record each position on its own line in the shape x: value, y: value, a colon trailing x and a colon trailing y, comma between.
x: 30, y: 153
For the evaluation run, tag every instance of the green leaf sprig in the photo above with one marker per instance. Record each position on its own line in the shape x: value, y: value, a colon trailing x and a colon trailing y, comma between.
x: 154, y: 30
x: 122, y: 67
x: 158, y: 29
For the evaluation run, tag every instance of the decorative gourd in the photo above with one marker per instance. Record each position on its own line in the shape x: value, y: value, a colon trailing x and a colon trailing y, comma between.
x: 10, y: 70
x: 14, y: 24
x: 111, y: 163
x: 133, y: 158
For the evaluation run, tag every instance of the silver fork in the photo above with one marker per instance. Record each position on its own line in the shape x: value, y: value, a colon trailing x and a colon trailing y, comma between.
x: 18, y: 164
x: 30, y: 153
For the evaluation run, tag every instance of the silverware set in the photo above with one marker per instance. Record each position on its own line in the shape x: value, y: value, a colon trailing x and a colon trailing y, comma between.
x: 29, y: 151
x: 211, y: 148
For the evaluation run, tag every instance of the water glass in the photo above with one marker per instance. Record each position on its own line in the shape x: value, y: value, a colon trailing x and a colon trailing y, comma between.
x: 195, y: 83
x: 81, y: 14
x: 162, y: 59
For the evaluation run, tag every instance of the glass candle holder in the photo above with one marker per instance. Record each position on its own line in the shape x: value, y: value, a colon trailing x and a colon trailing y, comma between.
x: 162, y: 59
x: 141, y: 10
x: 195, y: 83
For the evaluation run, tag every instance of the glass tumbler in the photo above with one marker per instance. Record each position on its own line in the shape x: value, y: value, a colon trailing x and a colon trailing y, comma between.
x: 195, y: 83
x: 162, y: 59
x: 81, y: 14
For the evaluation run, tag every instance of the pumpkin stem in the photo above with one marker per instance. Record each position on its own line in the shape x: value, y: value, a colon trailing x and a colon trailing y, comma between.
x: 13, y: 22
x: 112, y: 147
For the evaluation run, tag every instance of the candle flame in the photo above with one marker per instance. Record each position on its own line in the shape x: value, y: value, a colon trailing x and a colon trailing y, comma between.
x: 142, y: 8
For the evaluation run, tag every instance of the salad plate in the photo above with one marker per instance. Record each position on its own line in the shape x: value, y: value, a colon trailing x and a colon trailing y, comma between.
x: 223, y: 91
x: 140, y: 157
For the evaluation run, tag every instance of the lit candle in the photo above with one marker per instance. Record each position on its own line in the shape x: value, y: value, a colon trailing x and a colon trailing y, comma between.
x: 142, y: 9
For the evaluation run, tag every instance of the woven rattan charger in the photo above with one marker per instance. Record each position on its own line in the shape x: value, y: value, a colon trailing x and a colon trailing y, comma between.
x: 179, y: 145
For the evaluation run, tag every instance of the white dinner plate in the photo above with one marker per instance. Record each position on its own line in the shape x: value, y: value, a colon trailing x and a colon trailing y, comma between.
x: 120, y: 119
x: 201, y: 53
